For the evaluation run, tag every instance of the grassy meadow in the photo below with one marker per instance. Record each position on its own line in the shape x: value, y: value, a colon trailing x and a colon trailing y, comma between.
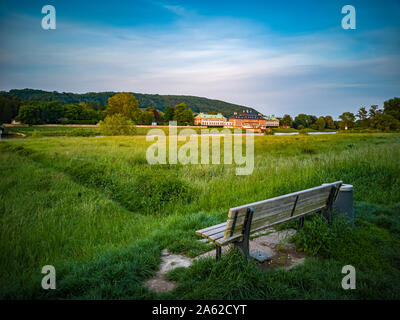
x: 96, y: 210
x: 83, y: 131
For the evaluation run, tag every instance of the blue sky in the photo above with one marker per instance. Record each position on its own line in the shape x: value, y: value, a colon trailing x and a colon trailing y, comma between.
x: 276, y: 56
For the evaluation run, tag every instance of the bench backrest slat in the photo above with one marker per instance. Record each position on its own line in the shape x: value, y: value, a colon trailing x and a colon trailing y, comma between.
x: 271, y: 211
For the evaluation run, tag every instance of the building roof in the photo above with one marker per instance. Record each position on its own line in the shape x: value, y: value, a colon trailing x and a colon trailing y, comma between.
x: 210, y: 116
x: 246, y: 116
x: 270, y: 118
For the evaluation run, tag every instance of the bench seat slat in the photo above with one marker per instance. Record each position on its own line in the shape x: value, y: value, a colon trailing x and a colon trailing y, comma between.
x: 214, y: 231
x: 202, y: 231
x: 216, y: 236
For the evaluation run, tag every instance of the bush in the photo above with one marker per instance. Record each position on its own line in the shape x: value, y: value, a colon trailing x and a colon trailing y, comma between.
x: 314, y: 236
x: 363, y: 244
x: 117, y: 125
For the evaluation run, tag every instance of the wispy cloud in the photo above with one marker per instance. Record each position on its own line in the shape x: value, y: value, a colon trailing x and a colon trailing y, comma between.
x: 178, y: 10
x: 221, y: 58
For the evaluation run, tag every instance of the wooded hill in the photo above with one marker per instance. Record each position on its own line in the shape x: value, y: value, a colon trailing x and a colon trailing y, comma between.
x: 159, y: 102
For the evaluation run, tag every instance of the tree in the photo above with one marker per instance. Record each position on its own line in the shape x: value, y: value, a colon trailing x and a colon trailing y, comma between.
x: 51, y: 112
x: 286, y: 121
x: 117, y: 125
x: 124, y: 103
x: 8, y: 108
x: 72, y: 111
x: 80, y: 112
x: 180, y: 114
x: 330, y: 124
x: 392, y: 107
x: 146, y: 117
x: 385, y: 122
x: 157, y: 116
x: 347, y: 120
x: 320, y: 123
x: 362, y: 115
x: 168, y: 114
x: 95, y: 106
x: 313, y: 119
x: 374, y: 111
x: 302, y: 120
x: 188, y: 117
x: 29, y: 113
x: 88, y: 113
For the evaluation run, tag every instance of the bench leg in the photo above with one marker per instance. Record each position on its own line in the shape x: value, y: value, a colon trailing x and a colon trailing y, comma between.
x: 328, y: 211
x: 243, y: 245
x: 329, y: 217
x: 327, y: 214
x: 301, y: 223
x: 217, y: 252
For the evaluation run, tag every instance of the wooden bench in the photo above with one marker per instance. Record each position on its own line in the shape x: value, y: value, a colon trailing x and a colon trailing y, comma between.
x: 247, y: 219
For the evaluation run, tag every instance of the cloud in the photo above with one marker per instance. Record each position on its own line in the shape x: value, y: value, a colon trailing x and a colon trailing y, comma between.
x: 178, y: 10
x: 221, y: 58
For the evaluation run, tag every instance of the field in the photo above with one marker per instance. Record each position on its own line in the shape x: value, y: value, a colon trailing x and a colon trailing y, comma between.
x: 82, y: 130
x: 96, y: 210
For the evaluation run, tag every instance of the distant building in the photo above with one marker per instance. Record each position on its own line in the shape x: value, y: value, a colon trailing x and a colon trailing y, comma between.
x: 210, y: 120
x: 271, y: 121
x: 246, y: 120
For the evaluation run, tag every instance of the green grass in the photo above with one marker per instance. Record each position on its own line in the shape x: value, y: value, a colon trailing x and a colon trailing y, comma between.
x: 286, y: 130
x: 56, y: 131
x: 82, y: 131
x: 95, y: 209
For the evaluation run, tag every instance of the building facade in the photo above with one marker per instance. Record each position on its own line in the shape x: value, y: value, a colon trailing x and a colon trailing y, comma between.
x: 246, y: 120
x: 271, y: 122
x: 210, y: 120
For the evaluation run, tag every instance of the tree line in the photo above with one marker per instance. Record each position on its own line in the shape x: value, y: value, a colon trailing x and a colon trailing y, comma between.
x: 386, y: 119
x: 54, y: 112
x: 156, y: 101
x: 125, y: 104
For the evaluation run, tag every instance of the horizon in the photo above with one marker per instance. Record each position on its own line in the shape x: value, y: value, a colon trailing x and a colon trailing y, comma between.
x: 278, y: 58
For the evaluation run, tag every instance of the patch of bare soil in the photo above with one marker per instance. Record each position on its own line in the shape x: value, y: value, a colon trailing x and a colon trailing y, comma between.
x: 275, y: 244
x: 286, y: 258
x: 169, y: 262
x: 283, y: 253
